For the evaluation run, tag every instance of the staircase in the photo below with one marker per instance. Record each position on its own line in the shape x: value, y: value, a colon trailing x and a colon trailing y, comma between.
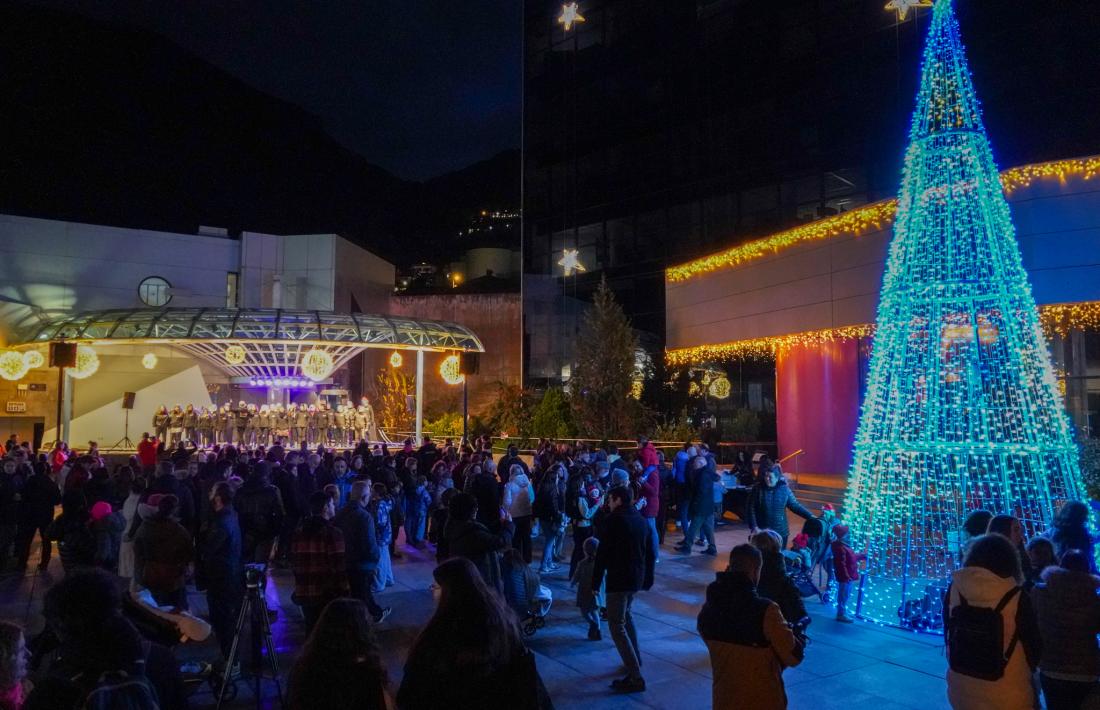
x: 814, y: 491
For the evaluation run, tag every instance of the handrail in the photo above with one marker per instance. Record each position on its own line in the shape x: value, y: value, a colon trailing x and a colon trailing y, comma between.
x: 791, y: 456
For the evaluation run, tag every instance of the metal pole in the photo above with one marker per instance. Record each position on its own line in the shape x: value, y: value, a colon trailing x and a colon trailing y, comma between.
x: 419, y: 396
x: 67, y: 411
x: 60, y: 398
x: 465, y: 406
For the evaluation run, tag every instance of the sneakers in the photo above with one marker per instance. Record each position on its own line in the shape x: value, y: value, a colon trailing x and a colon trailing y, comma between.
x: 595, y: 634
x: 382, y: 617
x: 628, y: 685
x: 844, y: 619
x: 711, y: 551
x: 700, y: 543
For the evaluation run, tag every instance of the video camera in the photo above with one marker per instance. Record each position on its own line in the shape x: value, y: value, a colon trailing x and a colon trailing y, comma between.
x: 255, y: 575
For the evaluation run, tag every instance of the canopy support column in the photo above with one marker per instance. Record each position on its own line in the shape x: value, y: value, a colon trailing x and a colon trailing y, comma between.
x: 419, y: 396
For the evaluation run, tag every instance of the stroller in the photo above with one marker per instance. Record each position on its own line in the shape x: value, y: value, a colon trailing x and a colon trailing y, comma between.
x: 805, y: 567
x: 522, y: 591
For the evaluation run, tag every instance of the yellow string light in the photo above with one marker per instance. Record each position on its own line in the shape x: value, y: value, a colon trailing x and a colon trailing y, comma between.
x: 450, y: 371
x: 396, y: 360
x: 316, y: 364
x: 33, y: 359
x: 235, y: 354
x: 870, y: 217
x: 87, y: 363
x: 12, y: 365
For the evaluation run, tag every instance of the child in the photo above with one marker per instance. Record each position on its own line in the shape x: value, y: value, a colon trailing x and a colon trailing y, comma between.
x: 382, y: 506
x: 588, y: 599
x: 800, y: 551
x: 846, y: 563
x: 13, y: 666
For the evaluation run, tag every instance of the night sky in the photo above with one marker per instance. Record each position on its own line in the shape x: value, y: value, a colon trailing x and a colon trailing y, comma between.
x: 417, y: 87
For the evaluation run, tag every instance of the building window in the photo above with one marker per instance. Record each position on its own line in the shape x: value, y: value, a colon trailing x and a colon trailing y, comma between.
x: 231, y: 280
x: 155, y: 291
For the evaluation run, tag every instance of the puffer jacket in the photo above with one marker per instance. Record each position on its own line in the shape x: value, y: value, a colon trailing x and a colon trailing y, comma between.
x: 767, y: 507
x: 518, y: 495
x: 1013, y: 690
x: 1068, y: 609
x: 472, y: 540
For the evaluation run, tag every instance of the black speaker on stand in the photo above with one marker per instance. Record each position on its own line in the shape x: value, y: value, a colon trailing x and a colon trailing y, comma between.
x: 62, y: 355
x: 127, y: 405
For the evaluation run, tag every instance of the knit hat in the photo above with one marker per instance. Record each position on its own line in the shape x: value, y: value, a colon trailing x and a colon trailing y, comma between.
x: 800, y: 540
x: 594, y: 493
x: 100, y: 511
x: 840, y: 531
x: 828, y: 506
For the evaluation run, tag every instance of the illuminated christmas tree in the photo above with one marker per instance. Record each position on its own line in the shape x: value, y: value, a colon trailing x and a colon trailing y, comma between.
x: 962, y: 410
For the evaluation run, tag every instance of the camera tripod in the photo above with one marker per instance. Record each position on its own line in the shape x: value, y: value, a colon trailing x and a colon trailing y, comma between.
x: 254, y: 609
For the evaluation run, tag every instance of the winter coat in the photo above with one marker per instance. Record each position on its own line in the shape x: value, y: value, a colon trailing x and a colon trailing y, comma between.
x: 472, y: 540
x: 162, y: 551
x: 845, y: 562
x: 749, y: 643
x: 260, y: 511
x: 1073, y: 538
x: 76, y: 541
x: 1013, y: 691
x: 486, y: 490
x: 108, y: 539
x: 582, y: 577
x: 126, y: 547
x: 40, y: 496
x: 383, y: 522
x: 317, y: 559
x: 1068, y: 610
x: 220, y: 551
x: 701, y: 495
x: 776, y: 586
x: 680, y: 466
x: 167, y: 483
x: 624, y: 556
x: 767, y: 507
x: 446, y: 674
x: 518, y: 495
x: 651, y: 491
x: 361, y: 550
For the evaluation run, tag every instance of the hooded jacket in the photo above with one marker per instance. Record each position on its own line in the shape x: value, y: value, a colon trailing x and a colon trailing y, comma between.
x: 624, y: 555
x: 767, y: 507
x: 472, y: 540
x: 1068, y: 610
x: 518, y: 495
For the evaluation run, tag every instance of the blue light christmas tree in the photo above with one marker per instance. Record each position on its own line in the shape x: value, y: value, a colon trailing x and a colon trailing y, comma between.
x: 962, y: 410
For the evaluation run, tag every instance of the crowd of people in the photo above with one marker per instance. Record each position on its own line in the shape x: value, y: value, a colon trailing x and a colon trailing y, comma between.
x: 182, y: 519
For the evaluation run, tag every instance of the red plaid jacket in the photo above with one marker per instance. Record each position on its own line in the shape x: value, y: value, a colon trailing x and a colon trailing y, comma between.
x: 317, y: 558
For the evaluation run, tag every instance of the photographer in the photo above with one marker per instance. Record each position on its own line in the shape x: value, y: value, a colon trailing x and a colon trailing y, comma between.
x: 748, y: 639
x: 221, y: 568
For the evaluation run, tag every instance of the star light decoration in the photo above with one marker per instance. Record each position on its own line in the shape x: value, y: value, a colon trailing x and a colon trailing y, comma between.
x: 903, y: 6
x: 570, y: 262
x: 570, y: 15
x: 961, y: 411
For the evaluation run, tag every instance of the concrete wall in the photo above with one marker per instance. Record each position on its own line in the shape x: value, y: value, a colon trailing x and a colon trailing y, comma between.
x: 835, y: 282
x: 360, y: 274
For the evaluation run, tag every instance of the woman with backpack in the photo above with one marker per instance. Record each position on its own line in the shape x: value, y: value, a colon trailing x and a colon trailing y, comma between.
x: 993, y: 642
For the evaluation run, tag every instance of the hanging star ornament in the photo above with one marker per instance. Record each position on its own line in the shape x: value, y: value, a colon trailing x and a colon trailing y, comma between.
x: 903, y: 6
x: 570, y: 14
x: 570, y: 262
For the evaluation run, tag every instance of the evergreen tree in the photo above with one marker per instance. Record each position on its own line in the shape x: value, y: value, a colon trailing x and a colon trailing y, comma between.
x: 961, y: 410
x: 552, y: 417
x: 601, y: 384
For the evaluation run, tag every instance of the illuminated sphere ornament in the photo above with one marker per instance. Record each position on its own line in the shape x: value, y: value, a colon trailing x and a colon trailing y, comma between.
x: 720, y: 387
x: 149, y: 361
x: 33, y: 359
x: 235, y: 354
x: 974, y: 421
x: 12, y: 365
x: 396, y: 360
x: 449, y: 370
x: 316, y: 364
x: 87, y: 363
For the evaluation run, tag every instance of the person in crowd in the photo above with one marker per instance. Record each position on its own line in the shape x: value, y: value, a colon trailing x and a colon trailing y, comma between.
x: 1040, y: 554
x: 381, y: 505
x: 221, y: 568
x: 259, y: 507
x: 549, y: 507
x: 521, y: 586
x: 470, y: 654
x: 768, y: 503
x: 680, y: 470
x: 1071, y: 532
x: 417, y: 502
x: 749, y: 640
x: 975, y: 525
x: 466, y: 537
x: 700, y: 506
x: 89, y: 646
x: 13, y: 666
x: 147, y: 450
x: 518, y: 495
x: 342, y: 478
x: 1010, y: 527
x: 625, y: 558
x: 169, y: 481
x: 590, y: 599
x: 483, y: 485
x: 163, y: 550
x: 774, y: 584
x: 317, y: 559
x: 72, y: 531
x: 133, y: 521
x: 650, y: 491
x: 107, y: 526
x: 846, y: 567
x: 990, y: 579
x: 1067, y: 607
x: 584, y: 507
x: 58, y: 456
x: 829, y: 520
x: 361, y: 549
x: 510, y: 459
x: 340, y: 666
x: 40, y: 497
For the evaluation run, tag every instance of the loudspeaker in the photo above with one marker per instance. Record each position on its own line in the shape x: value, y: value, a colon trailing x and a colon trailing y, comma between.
x: 39, y: 432
x: 62, y: 354
x: 128, y: 400
x: 469, y: 363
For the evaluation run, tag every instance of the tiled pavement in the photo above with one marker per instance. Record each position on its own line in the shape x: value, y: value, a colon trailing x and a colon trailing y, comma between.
x: 846, y: 666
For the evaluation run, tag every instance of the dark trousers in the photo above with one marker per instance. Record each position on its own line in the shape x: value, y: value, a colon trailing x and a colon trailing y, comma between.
x: 360, y: 582
x: 225, y: 607
x: 24, y: 536
x: 1065, y: 694
x: 579, y: 536
x: 521, y: 539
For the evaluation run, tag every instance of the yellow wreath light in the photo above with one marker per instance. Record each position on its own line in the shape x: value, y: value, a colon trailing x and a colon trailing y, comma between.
x: 720, y: 387
x: 12, y: 365
x: 316, y: 364
x: 396, y: 360
x: 235, y: 354
x: 149, y: 361
x: 450, y: 371
x: 87, y: 363
x: 33, y: 359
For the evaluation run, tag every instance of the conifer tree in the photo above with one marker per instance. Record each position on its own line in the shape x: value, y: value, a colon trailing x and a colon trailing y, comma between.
x: 600, y: 386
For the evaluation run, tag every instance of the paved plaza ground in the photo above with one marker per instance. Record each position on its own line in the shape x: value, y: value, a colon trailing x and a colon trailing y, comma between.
x: 846, y: 666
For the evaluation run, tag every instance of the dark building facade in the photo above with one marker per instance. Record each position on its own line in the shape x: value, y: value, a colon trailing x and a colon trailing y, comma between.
x: 658, y: 131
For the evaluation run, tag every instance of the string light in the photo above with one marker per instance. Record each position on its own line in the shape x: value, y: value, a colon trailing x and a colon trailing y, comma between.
x: 12, y: 365
x: 636, y: 388
x: 961, y: 410
x: 570, y: 14
x: 235, y: 354
x: 450, y: 371
x: 904, y: 6
x: 149, y: 361
x: 870, y: 217
x: 34, y: 359
x: 87, y: 363
x: 316, y: 364
x: 720, y: 387
x: 570, y: 262
x: 396, y: 360
x: 1062, y: 318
